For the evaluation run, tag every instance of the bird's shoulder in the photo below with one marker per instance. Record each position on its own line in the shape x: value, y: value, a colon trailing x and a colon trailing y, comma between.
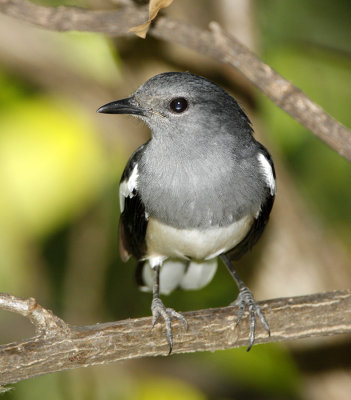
x: 133, y: 162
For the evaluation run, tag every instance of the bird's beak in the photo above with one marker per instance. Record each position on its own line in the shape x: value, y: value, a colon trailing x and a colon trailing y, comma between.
x: 124, y: 106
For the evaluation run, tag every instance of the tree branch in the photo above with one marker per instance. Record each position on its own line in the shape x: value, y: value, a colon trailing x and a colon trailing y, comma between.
x: 214, y: 43
x: 111, y: 22
x: 69, y: 347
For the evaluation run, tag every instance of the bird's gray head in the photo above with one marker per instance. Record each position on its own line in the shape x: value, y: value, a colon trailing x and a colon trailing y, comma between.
x: 177, y: 104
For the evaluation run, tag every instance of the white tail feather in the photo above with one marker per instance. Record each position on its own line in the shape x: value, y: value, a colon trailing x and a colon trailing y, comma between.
x: 175, y: 273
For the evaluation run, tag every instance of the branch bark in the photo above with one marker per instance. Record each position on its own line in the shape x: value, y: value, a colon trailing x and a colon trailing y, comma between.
x: 214, y: 43
x: 67, y: 347
x: 111, y: 22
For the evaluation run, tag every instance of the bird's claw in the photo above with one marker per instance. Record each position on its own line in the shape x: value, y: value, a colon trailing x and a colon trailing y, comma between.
x: 245, y: 300
x: 159, y: 310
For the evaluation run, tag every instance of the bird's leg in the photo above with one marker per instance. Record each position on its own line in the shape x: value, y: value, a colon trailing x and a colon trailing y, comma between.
x: 159, y: 310
x: 244, y: 300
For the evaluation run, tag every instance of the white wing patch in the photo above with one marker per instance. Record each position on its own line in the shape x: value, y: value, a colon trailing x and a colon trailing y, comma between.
x: 127, y: 186
x: 267, y: 172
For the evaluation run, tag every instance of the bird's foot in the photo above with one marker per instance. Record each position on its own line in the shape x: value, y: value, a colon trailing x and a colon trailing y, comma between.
x: 245, y: 300
x: 159, y: 310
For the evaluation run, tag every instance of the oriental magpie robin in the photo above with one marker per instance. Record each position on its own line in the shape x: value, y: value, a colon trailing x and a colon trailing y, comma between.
x: 201, y: 187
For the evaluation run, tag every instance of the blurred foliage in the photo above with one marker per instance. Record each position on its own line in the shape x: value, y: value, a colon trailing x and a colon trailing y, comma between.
x: 310, y: 46
x: 269, y: 369
x: 92, y: 385
x: 91, y: 55
x: 41, y: 136
x: 155, y: 389
x: 58, y: 185
x: 318, y: 22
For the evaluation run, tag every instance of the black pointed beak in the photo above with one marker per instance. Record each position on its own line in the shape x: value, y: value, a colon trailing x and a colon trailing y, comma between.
x: 124, y: 106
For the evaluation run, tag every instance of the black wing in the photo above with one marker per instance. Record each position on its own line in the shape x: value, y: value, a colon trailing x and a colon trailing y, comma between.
x: 133, y: 221
x: 260, y: 221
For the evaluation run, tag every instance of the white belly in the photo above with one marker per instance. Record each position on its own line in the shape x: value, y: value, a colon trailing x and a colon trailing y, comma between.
x: 164, y: 241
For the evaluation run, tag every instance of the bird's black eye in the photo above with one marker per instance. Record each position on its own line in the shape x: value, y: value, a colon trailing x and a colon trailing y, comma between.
x: 178, y: 105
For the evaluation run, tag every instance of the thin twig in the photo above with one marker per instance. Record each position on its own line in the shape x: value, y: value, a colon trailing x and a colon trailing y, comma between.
x: 214, y: 43
x: 212, y: 329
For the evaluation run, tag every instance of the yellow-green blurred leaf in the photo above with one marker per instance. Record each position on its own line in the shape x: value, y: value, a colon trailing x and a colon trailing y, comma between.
x: 167, y: 388
x: 90, y: 54
x: 267, y: 368
x: 51, y: 165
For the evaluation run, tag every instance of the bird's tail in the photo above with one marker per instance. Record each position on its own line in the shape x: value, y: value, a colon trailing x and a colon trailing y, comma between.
x: 188, y: 275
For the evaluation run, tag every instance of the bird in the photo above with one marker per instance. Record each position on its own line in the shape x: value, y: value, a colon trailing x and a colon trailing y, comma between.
x: 200, y: 188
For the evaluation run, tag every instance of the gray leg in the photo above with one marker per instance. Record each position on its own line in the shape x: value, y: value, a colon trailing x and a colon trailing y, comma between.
x: 159, y: 310
x: 244, y: 300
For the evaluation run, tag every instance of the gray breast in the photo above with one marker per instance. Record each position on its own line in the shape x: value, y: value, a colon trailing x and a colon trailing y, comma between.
x: 201, y: 191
